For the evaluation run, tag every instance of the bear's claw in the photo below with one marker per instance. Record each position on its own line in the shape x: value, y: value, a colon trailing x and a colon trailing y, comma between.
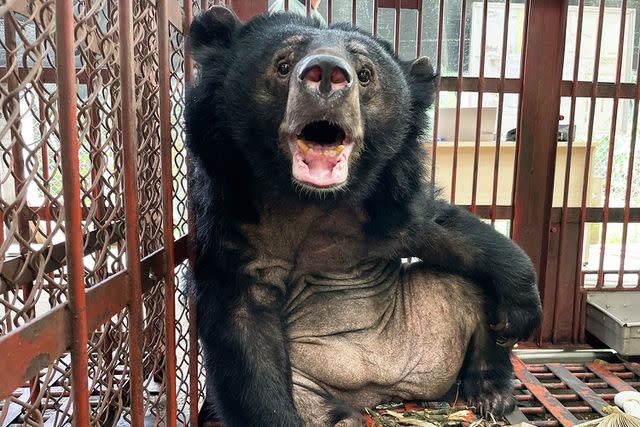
x: 488, y: 396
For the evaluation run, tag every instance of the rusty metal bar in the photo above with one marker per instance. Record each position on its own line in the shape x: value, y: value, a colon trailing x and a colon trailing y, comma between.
x: 583, y: 375
x: 68, y: 126
x: 131, y: 205
x: 583, y: 390
x: 561, y: 397
x: 562, y: 414
x: 567, y: 174
x: 601, y: 89
x: 463, y: 14
x: 436, y: 102
x: 517, y: 417
x: 476, y: 151
x: 17, y: 160
x: 167, y: 212
x: 396, y: 43
x: 547, y: 376
x: 375, y: 17
x: 503, y: 67
x: 518, y: 142
x: 635, y: 368
x: 308, y: 6
x: 193, y: 352
x: 549, y: 423
x: 572, y: 367
x: 17, y: 157
x: 18, y: 164
x: 46, y: 74
x: 563, y: 386
x: 45, y: 166
x: 629, y: 182
x: 612, y: 143
x: 34, y: 346
x: 538, y: 410
x: 536, y: 152
x: 579, y: 299
x: 472, y: 84
x: 40, y: 342
x: 419, y: 36
x: 193, y: 328
x: 606, y: 375
x: 329, y: 11
x: 14, y: 274
x: 404, y: 4
x: 188, y: 59
x: 354, y: 8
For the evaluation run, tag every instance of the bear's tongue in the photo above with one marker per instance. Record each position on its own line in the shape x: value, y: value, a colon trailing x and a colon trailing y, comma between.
x: 320, y: 165
x: 320, y: 162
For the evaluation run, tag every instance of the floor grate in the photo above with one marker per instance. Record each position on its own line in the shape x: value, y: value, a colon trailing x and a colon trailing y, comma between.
x: 553, y: 394
x: 565, y: 394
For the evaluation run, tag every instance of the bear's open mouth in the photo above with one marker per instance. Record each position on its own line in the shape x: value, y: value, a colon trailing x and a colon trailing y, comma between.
x: 321, y: 154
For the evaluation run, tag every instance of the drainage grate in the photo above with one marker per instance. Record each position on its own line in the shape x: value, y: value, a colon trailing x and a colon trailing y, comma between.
x: 550, y: 393
x: 565, y: 394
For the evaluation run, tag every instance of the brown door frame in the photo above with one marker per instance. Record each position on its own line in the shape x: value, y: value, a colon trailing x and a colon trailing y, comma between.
x: 537, y: 139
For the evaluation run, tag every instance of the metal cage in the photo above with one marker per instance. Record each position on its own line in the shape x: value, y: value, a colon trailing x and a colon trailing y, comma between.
x: 534, y: 129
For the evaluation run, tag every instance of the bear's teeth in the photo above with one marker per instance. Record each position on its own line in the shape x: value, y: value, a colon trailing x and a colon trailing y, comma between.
x: 304, y: 147
x: 339, y: 149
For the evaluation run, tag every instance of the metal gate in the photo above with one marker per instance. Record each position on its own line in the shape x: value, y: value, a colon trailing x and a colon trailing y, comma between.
x: 93, y: 164
x: 94, y: 321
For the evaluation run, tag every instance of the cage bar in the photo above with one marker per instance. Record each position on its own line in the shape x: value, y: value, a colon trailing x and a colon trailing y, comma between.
x: 129, y: 139
x: 167, y: 212
x: 66, y: 80
x: 565, y: 196
x: 580, y: 300
x: 476, y: 151
x: 43, y: 326
x: 503, y: 68
x: 536, y: 149
x: 436, y: 102
x: 612, y: 143
x: 456, y: 141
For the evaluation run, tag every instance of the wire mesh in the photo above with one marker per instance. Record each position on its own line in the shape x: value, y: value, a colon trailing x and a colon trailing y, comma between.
x: 32, y: 238
x: 594, y: 208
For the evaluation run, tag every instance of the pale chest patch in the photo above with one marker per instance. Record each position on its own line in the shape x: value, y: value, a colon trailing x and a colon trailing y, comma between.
x: 309, y: 236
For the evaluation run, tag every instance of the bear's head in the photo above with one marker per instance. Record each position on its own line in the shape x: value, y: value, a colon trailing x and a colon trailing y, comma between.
x: 292, y: 105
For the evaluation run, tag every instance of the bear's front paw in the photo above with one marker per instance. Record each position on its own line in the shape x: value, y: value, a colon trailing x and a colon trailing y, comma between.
x: 488, y: 395
x: 516, y: 322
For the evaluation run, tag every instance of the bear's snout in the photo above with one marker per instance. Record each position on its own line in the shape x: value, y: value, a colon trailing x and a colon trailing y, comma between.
x: 327, y: 75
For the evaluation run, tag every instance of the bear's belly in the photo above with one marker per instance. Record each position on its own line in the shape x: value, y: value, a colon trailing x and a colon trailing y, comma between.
x: 378, y: 333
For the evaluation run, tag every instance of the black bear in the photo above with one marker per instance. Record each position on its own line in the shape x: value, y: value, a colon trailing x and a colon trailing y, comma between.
x: 308, y: 188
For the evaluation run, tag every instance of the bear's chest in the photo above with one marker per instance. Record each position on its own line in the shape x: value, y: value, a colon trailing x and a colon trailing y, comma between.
x: 309, y: 237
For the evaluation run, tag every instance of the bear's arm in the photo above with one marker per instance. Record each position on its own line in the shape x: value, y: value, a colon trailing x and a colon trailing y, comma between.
x: 240, y: 327
x: 242, y: 334
x: 458, y: 242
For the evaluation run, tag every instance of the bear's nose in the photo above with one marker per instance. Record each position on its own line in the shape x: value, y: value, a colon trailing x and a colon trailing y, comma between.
x: 327, y: 74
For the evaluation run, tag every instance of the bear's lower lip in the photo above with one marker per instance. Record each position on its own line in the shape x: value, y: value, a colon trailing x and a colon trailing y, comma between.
x: 320, y: 165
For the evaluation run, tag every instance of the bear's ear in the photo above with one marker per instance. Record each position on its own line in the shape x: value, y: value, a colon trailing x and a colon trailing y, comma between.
x: 422, y: 79
x: 212, y: 31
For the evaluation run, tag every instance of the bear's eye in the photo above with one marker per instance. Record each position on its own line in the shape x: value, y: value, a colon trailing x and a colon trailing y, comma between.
x: 283, y: 68
x: 364, y: 76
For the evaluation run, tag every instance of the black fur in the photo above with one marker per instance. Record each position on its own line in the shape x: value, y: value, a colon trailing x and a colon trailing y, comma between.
x: 236, y: 156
